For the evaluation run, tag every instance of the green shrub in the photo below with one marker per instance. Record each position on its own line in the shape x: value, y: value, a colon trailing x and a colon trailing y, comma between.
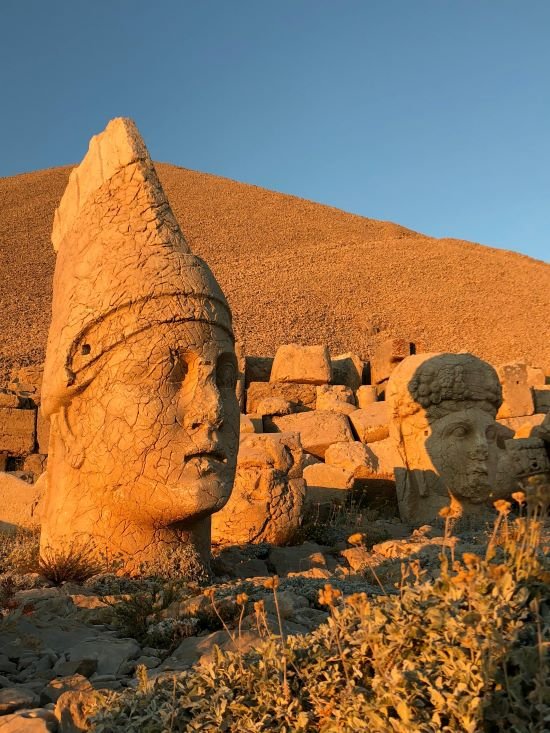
x: 466, y: 653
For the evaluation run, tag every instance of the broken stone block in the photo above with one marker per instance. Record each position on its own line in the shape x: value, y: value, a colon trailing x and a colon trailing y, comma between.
x: 268, y: 494
x: 15, y: 698
x: 384, y: 458
x: 28, y: 380
x: 535, y: 377
x: 301, y: 396
x: 517, y: 398
x: 302, y: 364
x: 347, y: 370
x: 522, y: 426
x: 366, y: 395
x: 317, y: 430
x: 325, y: 484
x: 352, y: 457
x: 74, y: 683
x: 386, y: 356
x: 541, y: 396
x: 18, y: 504
x: 35, y: 463
x: 17, y: 430
x: 371, y: 423
x: 74, y: 710
x: 335, y: 398
x: 301, y: 558
x: 257, y: 369
x: 521, y: 459
x: 9, y: 399
x: 275, y: 406
x: 246, y: 425
x: 240, y: 381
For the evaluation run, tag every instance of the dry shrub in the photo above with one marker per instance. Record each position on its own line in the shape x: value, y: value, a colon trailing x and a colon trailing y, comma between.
x: 469, y: 652
x: 19, y: 551
x: 76, y: 564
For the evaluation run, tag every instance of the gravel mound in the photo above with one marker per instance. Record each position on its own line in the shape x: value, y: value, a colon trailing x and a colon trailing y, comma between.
x: 294, y: 270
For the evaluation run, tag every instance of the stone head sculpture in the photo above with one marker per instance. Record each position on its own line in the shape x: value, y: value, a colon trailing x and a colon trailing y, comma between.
x: 443, y: 409
x: 139, y: 379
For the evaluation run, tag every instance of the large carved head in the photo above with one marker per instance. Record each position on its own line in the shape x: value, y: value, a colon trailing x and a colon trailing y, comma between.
x: 140, y: 371
x: 443, y: 409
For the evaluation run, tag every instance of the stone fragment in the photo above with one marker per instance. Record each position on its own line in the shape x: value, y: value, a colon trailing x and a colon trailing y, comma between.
x: 335, y: 398
x: 18, y: 504
x: 347, y: 369
x: 385, y: 458
x: 257, y: 369
x: 74, y: 710
x: 522, y: 426
x: 366, y: 395
x: 371, y: 423
x: 517, y: 398
x: 15, y: 698
x: 268, y: 495
x: 523, y: 458
x: 247, y: 426
x: 325, y: 484
x: 28, y: 380
x: 535, y: 377
x: 317, y: 430
x: 541, y: 396
x: 302, y: 364
x: 56, y: 687
x: 356, y: 557
x: 17, y: 430
x: 275, y: 406
x: 289, y: 604
x: 386, y: 356
x: 9, y: 399
x: 353, y: 457
x: 36, y: 720
x: 35, y: 463
x: 140, y: 372
x: 301, y: 558
x: 443, y: 409
x: 110, y: 654
x: 301, y: 396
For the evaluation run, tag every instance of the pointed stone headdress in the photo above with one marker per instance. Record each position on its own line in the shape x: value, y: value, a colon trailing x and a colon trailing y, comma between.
x: 123, y: 264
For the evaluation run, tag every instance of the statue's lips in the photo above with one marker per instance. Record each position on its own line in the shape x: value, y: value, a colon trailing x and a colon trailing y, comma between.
x: 205, y: 460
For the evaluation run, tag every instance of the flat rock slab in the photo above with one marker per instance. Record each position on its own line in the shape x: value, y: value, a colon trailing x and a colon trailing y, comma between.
x: 317, y: 429
x: 297, y: 363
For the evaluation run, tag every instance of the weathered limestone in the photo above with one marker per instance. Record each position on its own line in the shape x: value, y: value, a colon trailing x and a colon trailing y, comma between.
x: 366, y: 395
x: 372, y: 422
x: 386, y: 356
x: 353, y: 457
x: 523, y: 458
x: 541, y: 396
x: 140, y: 372
x: 443, y: 409
x: 517, y: 398
x: 17, y: 430
x: 304, y: 364
x: 18, y: 504
x: 325, y: 484
x: 347, y: 370
x: 335, y: 398
x: 301, y: 396
x: 268, y: 495
x: 522, y: 426
x: 317, y: 430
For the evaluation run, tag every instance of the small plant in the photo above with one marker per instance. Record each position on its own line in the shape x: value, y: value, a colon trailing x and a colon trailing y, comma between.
x: 74, y: 564
x: 19, y: 551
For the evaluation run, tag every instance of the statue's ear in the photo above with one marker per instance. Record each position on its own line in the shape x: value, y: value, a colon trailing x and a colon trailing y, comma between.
x: 75, y: 452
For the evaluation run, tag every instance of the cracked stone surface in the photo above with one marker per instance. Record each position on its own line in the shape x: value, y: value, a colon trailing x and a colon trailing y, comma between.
x: 140, y: 371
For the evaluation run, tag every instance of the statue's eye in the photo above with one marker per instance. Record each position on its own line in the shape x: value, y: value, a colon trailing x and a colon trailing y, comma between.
x: 178, y: 368
x: 226, y: 373
x: 459, y: 432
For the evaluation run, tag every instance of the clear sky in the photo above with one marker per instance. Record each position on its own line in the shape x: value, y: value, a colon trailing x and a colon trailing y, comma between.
x: 434, y: 114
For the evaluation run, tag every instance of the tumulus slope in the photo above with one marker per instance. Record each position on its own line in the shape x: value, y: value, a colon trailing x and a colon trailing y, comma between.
x: 294, y: 270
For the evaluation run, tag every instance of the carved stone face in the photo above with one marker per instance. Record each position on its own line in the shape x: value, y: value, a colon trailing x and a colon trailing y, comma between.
x: 462, y: 446
x: 161, y: 419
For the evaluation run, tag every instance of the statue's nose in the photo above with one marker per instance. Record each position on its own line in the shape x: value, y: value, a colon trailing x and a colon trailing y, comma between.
x: 480, y: 450
x: 205, y: 410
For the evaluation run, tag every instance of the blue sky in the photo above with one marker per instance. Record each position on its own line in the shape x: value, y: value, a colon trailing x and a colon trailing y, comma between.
x: 434, y: 114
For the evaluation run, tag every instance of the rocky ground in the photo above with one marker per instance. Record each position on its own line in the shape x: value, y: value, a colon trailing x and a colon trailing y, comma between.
x: 341, y: 279
x: 62, y: 641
